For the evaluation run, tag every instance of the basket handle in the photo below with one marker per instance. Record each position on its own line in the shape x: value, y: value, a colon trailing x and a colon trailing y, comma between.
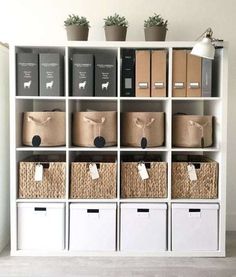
x: 201, y: 127
x: 143, y: 125
x: 93, y: 122
x: 96, y: 124
x: 30, y: 118
x: 139, y: 123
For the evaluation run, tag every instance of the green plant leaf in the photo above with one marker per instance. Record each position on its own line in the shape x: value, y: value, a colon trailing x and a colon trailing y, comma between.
x: 73, y: 19
x: 155, y: 20
x: 115, y: 20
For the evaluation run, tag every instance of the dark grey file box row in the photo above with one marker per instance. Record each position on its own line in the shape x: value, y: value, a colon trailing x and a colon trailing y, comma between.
x: 206, y: 78
x: 40, y: 74
x: 94, y: 75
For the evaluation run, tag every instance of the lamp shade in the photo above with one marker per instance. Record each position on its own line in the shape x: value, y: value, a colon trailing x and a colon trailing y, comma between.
x: 204, y: 49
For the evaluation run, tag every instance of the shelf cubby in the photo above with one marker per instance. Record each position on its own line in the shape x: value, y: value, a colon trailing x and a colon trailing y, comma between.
x: 81, y: 50
x: 202, y: 107
x: 45, y: 50
x: 33, y: 105
x: 87, y: 105
x: 149, y: 106
x: 23, y: 155
x: 93, y: 156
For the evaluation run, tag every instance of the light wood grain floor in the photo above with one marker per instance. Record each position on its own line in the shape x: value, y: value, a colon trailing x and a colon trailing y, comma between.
x: 120, y: 267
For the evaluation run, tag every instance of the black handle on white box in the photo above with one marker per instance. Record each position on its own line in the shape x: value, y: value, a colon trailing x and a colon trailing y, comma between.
x: 92, y: 211
x: 194, y: 210
x: 40, y: 209
x: 143, y: 210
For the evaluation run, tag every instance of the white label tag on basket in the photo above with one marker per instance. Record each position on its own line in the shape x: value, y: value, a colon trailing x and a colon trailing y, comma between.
x: 93, y: 171
x: 143, y: 171
x: 192, y: 172
x: 38, y: 175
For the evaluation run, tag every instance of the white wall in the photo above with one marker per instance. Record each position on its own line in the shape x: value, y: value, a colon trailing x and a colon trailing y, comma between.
x: 4, y: 149
x: 28, y: 20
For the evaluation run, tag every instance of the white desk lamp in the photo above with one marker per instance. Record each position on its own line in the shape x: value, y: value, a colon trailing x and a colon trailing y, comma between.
x: 205, y: 48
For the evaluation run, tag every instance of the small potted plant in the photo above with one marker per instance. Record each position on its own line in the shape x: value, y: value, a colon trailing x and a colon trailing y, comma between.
x: 155, y: 28
x: 115, y: 27
x: 77, y: 27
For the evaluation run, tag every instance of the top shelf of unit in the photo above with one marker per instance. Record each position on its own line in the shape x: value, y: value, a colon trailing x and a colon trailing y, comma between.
x: 145, y: 98
x: 40, y: 98
x: 114, y: 44
x: 117, y: 98
x: 196, y: 98
x: 64, y: 98
x: 92, y: 98
x: 171, y: 98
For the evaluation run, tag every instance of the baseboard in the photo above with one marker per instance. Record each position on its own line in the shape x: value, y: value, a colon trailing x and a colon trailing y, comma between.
x: 231, y: 222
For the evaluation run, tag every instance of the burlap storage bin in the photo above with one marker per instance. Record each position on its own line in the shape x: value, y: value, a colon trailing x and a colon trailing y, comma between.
x: 192, y: 130
x: 84, y: 187
x: 132, y: 185
x: 206, y: 185
x: 44, y: 128
x: 95, y: 129
x: 139, y: 126
x: 53, y: 184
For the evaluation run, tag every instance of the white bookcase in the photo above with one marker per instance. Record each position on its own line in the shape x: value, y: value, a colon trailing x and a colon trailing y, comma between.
x: 216, y: 106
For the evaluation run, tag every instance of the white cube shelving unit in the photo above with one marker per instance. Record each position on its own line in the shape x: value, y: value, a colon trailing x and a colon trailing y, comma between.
x: 216, y: 105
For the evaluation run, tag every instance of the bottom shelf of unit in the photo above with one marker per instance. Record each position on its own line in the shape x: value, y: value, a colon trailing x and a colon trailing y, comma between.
x: 143, y: 200
x: 195, y: 200
x: 89, y: 200
x: 115, y: 200
x: 118, y: 253
x: 43, y: 200
x: 59, y: 200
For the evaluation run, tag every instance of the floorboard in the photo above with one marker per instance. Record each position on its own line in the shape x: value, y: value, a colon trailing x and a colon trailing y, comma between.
x: 120, y: 266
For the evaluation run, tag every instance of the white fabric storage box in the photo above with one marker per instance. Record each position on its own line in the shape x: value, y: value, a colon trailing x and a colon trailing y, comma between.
x: 144, y: 227
x: 41, y: 226
x: 195, y: 227
x: 93, y: 227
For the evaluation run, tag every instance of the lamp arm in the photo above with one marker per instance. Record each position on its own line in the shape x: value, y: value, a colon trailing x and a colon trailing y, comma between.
x: 207, y: 33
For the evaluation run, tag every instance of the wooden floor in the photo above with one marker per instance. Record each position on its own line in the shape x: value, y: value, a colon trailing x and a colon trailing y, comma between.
x: 122, y: 267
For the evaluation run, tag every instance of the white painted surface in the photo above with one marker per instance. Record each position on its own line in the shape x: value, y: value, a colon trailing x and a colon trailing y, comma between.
x: 143, y: 227
x: 41, y: 226
x: 4, y: 149
x: 195, y: 227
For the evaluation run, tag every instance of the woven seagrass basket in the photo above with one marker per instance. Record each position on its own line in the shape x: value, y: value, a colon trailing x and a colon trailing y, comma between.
x: 84, y: 187
x: 132, y: 185
x: 53, y: 184
x: 206, y: 185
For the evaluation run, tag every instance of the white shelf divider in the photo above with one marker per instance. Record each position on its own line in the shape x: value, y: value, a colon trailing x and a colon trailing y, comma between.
x: 169, y: 132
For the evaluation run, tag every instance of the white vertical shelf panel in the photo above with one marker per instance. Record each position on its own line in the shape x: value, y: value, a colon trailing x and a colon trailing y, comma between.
x: 66, y: 91
x: 13, y: 176
x: 118, y: 185
x: 223, y: 152
x: 169, y: 132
